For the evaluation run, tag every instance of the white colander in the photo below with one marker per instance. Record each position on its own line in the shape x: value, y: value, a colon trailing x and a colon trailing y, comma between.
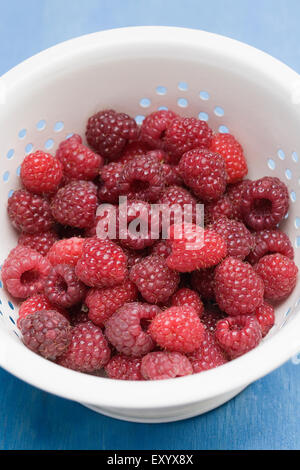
x: 139, y: 70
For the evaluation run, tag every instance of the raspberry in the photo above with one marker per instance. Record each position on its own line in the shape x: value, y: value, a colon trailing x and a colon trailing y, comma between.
x: 221, y: 208
x: 102, y: 263
x: 232, y: 152
x: 238, y: 289
x: 66, y: 251
x: 132, y: 151
x: 171, y: 175
x: 88, y: 350
x: 187, y: 298
x: 184, y: 134
x: 155, y: 281
x: 124, y: 368
x: 270, y: 241
x: 265, y: 202
x: 102, y: 303
x: 110, y: 176
x: 161, y: 248
x: 124, y: 330
x: 33, y: 304
x: 108, y: 132
x: 24, y: 272
x: 238, y: 238
x: 211, y: 316
x: 235, y: 193
x: 29, y: 213
x: 279, y: 275
x: 75, y: 204
x: 41, y: 172
x: 41, y: 242
x: 238, y: 335
x: 203, y: 282
x: 204, y: 172
x: 177, y: 329
x: 46, y: 332
x: 62, y: 286
x: 178, y: 203
x: 265, y: 316
x: 208, y: 356
x: 78, y: 161
x: 165, y: 365
x: 197, y: 248
x: 154, y: 127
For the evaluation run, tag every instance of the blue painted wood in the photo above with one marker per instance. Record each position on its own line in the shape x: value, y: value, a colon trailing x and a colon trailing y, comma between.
x: 267, y: 414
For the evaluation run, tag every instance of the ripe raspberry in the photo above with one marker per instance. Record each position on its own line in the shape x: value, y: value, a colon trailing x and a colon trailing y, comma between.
x: 208, y: 356
x: 187, y: 298
x: 124, y: 329
x: 67, y: 251
x: 102, y: 303
x: 203, y: 282
x: 155, y: 281
x: 46, y: 332
x: 41, y: 242
x: 124, y: 368
x: 165, y: 365
x: 41, y: 173
x: 238, y: 335
x: 279, y: 275
x: 197, y: 248
x: 33, y: 304
x: 24, y: 272
x: 133, y: 150
x: 221, y: 208
x: 238, y: 289
x: 78, y: 161
x: 265, y: 316
x: 75, y: 204
x: 108, y: 132
x: 204, y: 172
x: 88, y: 350
x: 110, y: 176
x: 161, y: 248
x: 270, y: 241
x: 235, y: 193
x: 232, y: 152
x: 177, y: 329
x: 62, y: 286
x: 211, y: 316
x: 184, y: 134
x: 29, y: 213
x: 265, y: 202
x: 171, y: 175
x: 179, y: 205
x: 102, y: 263
x: 154, y: 127
x: 238, y: 238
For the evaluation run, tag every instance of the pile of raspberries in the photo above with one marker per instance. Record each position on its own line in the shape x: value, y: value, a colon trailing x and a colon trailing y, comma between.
x: 142, y: 308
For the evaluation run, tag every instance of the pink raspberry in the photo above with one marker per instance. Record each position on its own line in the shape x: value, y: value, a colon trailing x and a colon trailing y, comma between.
x: 124, y: 329
x: 171, y: 175
x: 177, y: 329
x: 29, y: 213
x: 161, y: 248
x: 179, y: 203
x: 211, y: 316
x: 270, y: 241
x: 238, y: 289
x: 124, y: 368
x: 235, y: 194
x: 187, y: 298
x: 133, y: 150
x: 165, y: 365
x: 265, y: 316
x: 238, y: 335
x: 41, y: 242
x: 202, y: 281
x: 221, y: 208
x: 62, y: 286
x: 67, y: 251
x: 154, y: 127
x: 110, y: 177
x: 41, y: 173
x: 229, y: 148
x: 238, y: 238
x: 208, y: 356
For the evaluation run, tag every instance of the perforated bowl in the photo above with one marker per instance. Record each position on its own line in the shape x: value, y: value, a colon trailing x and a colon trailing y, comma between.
x: 139, y: 70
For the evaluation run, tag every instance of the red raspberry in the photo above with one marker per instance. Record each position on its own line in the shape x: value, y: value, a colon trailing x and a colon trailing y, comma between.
x: 41, y: 172
x: 46, y: 332
x: 235, y: 193
x: 239, y: 240
x: 62, y: 286
x: 29, y: 213
x: 165, y: 365
x: 78, y: 161
x: 180, y: 202
x: 265, y: 202
x: 232, y: 152
x: 33, y: 304
x: 124, y: 329
x: 24, y: 272
x: 270, y: 241
x: 187, y: 298
x: 171, y: 175
x: 41, y: 242
x: 177, y: 329
x: 238, y: 289
x: 161, y: 248
x: 132, y: 151
x: 197, y: 248
x: 279, y: 275
x: 108, y: 132
x: 102, y: 303
x: 102, y: 264
x: 88, y: 350
x: 203, y: 282
x: 66, y: 251
x: 110, y: 176
x: 124, y: 368
x: 221, y: 208
x: 211, y: 316
x: 155, y: 281
x: 238, y: 335
x: 75, y: 204
x: 265, y: 316
x: 184, y: 134
x: 154, y: 127
x: 204, y: 172
x: 208, y: 356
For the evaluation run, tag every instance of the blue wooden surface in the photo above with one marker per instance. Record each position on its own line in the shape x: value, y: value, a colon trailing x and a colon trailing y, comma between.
x: 267, y: 414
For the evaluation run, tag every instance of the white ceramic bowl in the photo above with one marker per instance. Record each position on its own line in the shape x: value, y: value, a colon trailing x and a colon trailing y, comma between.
x: 137, y: 70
